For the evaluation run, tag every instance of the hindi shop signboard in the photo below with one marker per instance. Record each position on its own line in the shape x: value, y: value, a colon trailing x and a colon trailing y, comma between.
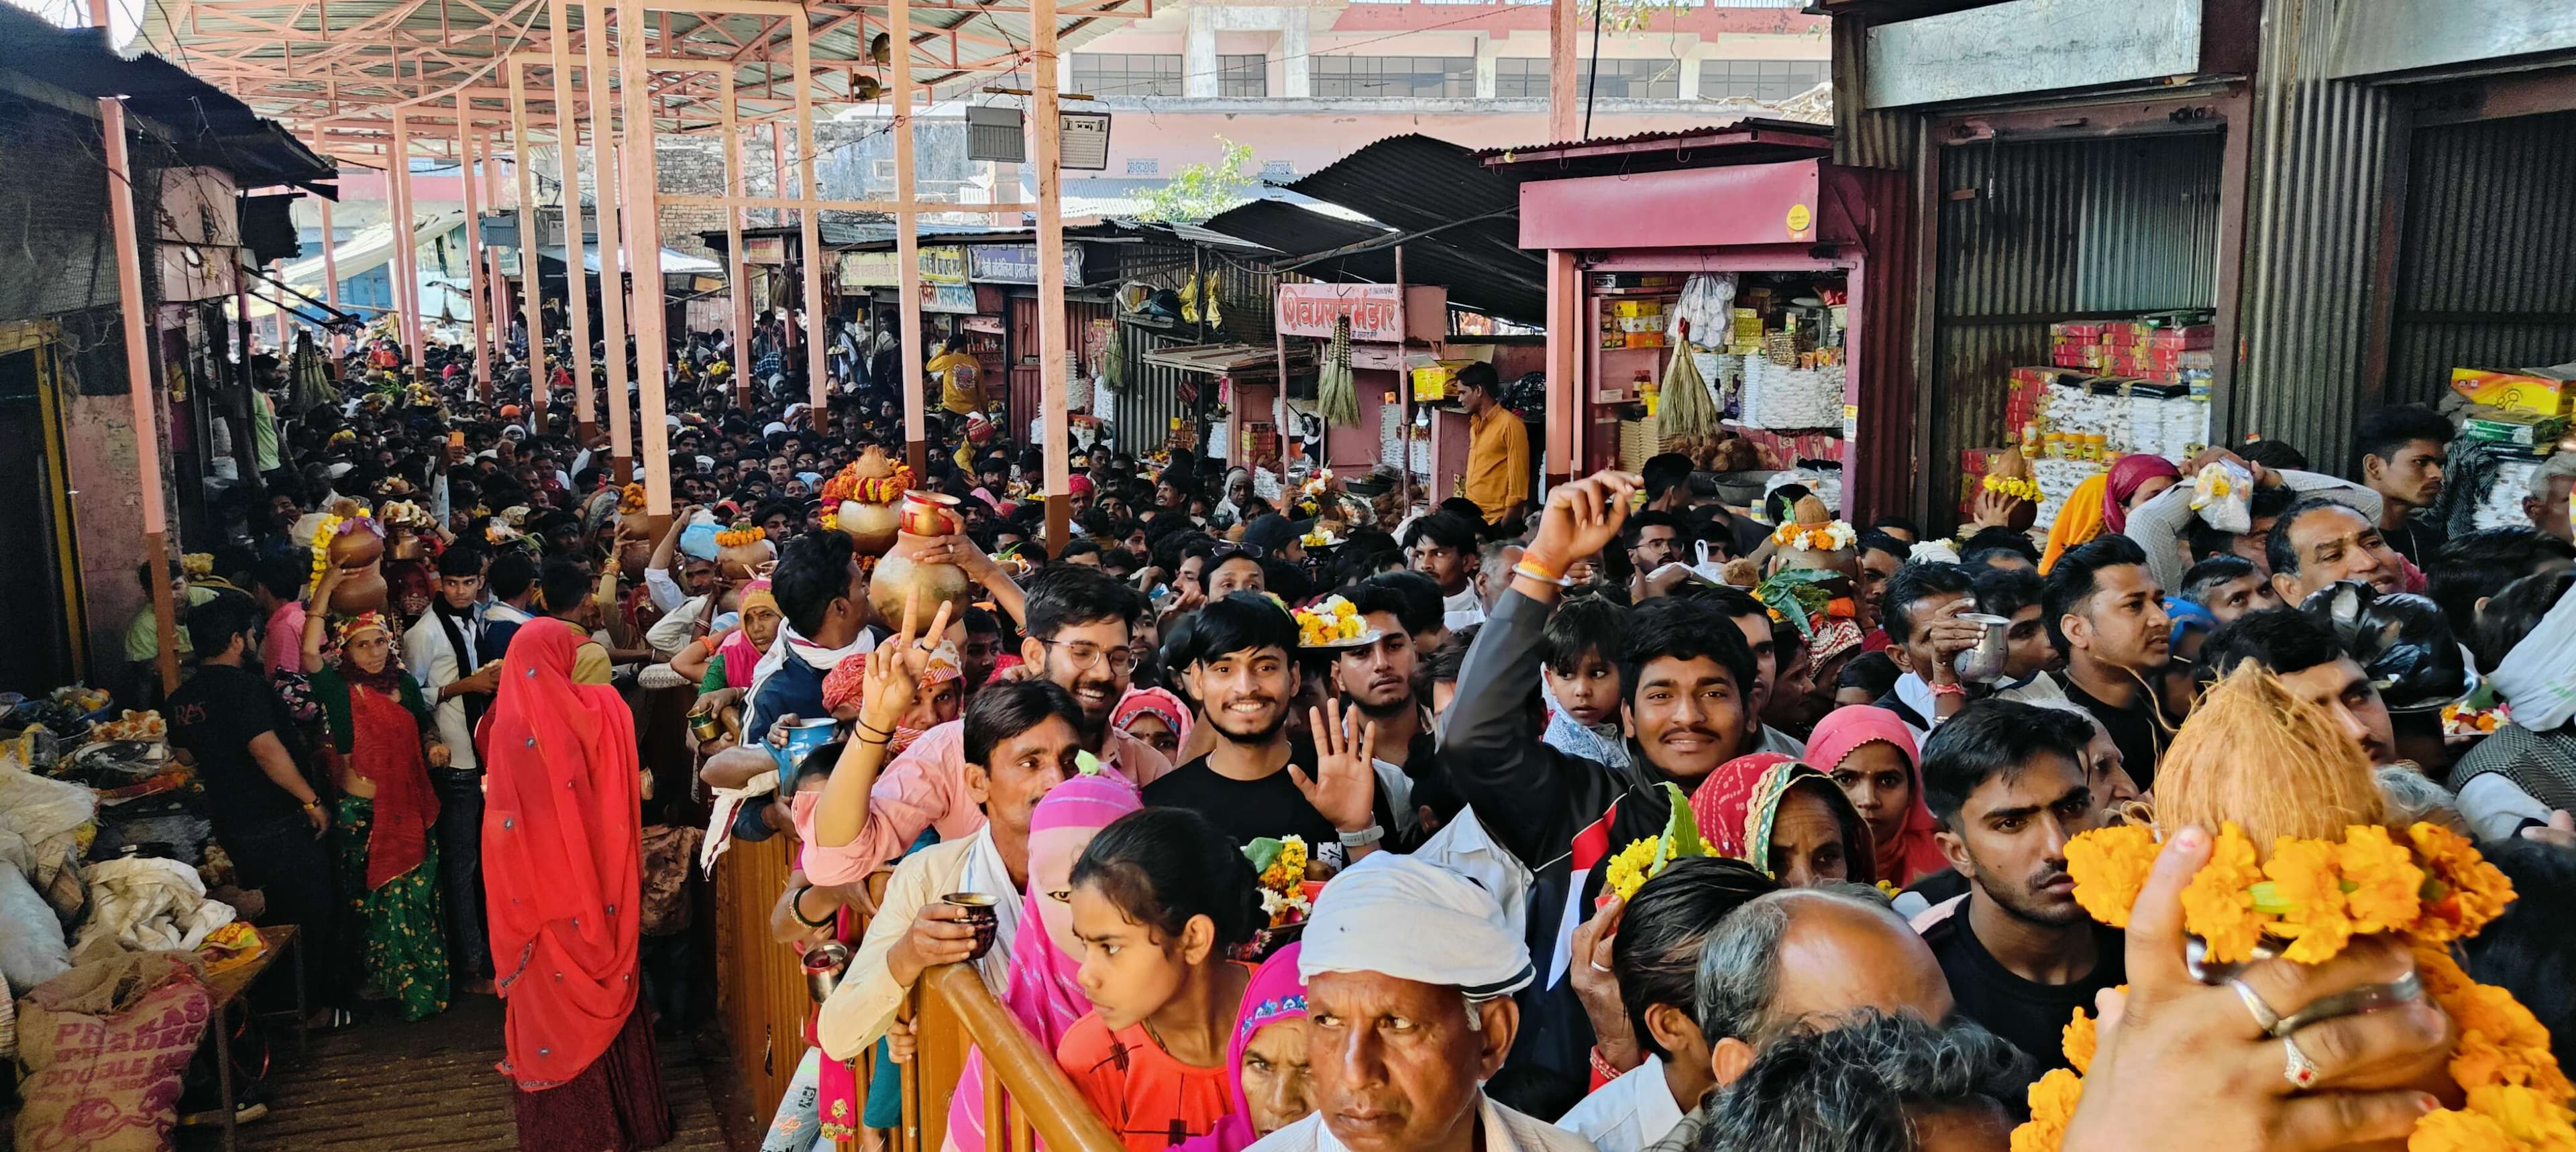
x: 1311, y: 309
x: 1018, y: 264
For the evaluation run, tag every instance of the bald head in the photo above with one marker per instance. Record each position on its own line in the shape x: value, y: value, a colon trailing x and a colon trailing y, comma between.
x: 1809, y: 956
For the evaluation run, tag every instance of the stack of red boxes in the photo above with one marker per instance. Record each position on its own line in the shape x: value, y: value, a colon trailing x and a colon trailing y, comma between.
x: 2143, y: 349
x: 2027, y: 390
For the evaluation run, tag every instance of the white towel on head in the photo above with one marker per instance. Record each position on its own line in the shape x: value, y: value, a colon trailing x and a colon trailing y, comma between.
x: 1416, y: 921
x: 2539, y: 676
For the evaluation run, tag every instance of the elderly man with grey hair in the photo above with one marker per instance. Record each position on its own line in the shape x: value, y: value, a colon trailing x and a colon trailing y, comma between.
x: 1410, y: 970
x: 1800, y: 959
x: 1874, y: 1082
x: 2547, y: 502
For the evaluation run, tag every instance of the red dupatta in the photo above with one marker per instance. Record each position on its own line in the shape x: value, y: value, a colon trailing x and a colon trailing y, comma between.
x: 562, y: 858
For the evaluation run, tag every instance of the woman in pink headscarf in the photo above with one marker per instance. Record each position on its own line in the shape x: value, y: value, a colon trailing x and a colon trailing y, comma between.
x: 1045, y: 992
x: 2133, y: 481
x: 1870, y: 754
x: 1154, y: 716
x: 1271, y: 1087
x: 1785, y: 819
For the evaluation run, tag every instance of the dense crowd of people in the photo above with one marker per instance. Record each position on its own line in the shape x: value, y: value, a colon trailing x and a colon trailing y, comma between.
x: 1290, y: 818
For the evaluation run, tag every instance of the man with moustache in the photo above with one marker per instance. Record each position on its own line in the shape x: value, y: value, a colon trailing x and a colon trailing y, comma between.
x: 1257, y: 782
x: 1077, y: 623
x: 2007, y: 781
x: 1374, y: 677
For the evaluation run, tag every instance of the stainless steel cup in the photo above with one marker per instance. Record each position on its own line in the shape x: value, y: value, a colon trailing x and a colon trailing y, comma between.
x: 1983, y: 664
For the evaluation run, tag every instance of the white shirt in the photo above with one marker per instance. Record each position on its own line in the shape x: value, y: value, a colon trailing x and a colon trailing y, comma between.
x: 1628, y: 1113
x: 1463, y: 610
x: 1504, y: 1130
x: 436, y: 664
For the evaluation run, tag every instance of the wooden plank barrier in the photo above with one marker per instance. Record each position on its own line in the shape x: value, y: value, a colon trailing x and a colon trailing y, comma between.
x: 1025, y: 1094
x: 760, y: 991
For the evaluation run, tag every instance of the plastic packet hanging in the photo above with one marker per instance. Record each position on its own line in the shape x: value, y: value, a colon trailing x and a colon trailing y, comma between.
x: 2220, y: 492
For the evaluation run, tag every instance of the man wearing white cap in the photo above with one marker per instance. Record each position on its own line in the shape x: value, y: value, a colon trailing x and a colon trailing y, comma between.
x: 1409, y: 971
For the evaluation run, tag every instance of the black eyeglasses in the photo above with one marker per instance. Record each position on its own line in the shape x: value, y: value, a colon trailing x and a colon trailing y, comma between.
x: 1085, y: 654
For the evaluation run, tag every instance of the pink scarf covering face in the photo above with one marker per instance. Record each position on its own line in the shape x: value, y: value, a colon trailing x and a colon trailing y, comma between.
x: 1045, y: 991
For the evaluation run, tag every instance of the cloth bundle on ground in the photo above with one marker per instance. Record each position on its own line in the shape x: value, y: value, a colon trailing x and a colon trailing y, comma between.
x: 104, y: 1046
x: 40, y: 832
x: 32, y: 948
x: 150, y: 904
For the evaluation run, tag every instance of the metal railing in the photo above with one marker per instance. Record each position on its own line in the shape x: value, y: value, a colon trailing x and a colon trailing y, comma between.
x: 1026, y: 1097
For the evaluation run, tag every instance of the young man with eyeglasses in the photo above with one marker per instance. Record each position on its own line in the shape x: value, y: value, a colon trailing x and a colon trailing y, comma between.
x: 1076, y: 623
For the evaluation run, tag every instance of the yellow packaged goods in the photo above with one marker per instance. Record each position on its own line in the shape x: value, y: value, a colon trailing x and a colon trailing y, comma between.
x: 2515, y: 392
x: 1628, y: 309
x: 1645, y: 339
x: 1438, y: 379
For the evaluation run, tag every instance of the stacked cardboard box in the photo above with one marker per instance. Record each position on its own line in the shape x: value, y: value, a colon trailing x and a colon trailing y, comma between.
x: 2146, y: 349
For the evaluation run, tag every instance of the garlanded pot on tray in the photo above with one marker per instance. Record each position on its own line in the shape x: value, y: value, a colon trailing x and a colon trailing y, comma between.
x: 926, y: 517
x: 865, y: 499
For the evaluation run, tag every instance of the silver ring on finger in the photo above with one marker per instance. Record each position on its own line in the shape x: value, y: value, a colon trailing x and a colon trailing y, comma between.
x: 2367, y: 998
x: 2264, y: 1017
x: 1596, y: 966
x: 2300, y: 1071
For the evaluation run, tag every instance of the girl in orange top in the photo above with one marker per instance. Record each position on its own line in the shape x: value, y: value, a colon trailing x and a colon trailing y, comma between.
x: 1158, y: 898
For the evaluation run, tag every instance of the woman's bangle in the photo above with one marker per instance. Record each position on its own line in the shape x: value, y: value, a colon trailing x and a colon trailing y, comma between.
x: 1543, y: 576
x: 796, y: 908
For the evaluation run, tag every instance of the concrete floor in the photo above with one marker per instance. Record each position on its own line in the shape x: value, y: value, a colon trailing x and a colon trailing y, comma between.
x: 396, y: 1087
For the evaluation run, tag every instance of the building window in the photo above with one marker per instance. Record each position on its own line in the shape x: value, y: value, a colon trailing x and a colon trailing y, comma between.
x: 1394, y: 77
x: 1144, y: 167
x: 1278, y: 169
x: 1520, y: 76
x: 1630, y: 79
x: 1126, y: 74
x: 1243, y: 75
x: 1620, y: 79
x: 1759, y: 79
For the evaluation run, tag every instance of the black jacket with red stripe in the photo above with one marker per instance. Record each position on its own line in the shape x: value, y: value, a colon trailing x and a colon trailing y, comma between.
x: 1562, y: 815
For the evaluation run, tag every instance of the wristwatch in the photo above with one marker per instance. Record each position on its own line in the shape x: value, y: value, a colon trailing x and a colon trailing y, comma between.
x: 1364, y: 837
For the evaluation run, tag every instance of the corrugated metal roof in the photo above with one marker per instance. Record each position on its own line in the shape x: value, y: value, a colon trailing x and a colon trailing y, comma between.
x: 1756, y: 136
x: 205, y: 125
x: 1462, y: 220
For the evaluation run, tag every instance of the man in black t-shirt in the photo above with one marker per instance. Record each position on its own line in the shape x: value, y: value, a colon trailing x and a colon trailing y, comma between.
x: 1256, y: 782
x: 259, y: 796
x: 2007, y: 781
x: 2106, y: 614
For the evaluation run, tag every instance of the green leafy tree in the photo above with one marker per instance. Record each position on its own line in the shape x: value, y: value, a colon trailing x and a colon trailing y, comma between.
x: 1199, y: 191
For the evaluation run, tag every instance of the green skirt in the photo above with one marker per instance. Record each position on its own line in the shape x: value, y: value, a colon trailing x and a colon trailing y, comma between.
x: 404, y: 954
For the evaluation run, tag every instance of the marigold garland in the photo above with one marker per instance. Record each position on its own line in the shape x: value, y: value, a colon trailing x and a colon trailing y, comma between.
x: 738, y: 537
x: 1835, y: 536
x: 2021, y: 488
x: 2434, y: 887
x: 630, y: 499
x: 847, y: 484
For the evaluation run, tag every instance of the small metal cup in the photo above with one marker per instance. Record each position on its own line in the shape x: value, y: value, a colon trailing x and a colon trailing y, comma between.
x: 704, y: 726
x: 982, y: 913
x: 1984, y: 663
x: 824, y: 963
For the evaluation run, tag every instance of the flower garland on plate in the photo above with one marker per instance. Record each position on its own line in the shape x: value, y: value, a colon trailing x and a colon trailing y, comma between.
x: 847, y: 484
x: 738, y: 537
x: 2021, y: 488
x: 1831, y: 536
x: 2433, y: 887
x: 1330, y: 622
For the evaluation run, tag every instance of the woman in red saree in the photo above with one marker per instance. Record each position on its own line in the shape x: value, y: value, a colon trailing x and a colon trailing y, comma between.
x: 562, y: 858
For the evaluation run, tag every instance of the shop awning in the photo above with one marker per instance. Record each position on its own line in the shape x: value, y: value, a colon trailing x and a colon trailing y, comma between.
x: 1457, y: 220
x: 673, y: 263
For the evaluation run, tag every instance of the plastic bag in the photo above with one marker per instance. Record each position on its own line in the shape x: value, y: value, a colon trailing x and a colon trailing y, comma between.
x: 32, y: 949
x: 2219, y: 493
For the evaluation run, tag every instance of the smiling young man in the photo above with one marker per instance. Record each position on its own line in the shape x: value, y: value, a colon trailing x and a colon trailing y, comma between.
x: 2008, y: 782
x: 1021, y: 740
x: 1686, y: 679
x: 2106, y: 614
x: 2318, y: 542
x: 1256, y: 781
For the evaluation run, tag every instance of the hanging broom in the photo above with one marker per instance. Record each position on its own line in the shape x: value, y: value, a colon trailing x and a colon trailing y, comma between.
x: 1337, y: 398
x: 1686, y: 408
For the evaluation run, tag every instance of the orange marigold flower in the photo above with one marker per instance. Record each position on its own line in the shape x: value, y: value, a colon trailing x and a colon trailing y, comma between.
x: 2471, y: 891
x: 2052, y: 1102
x: 2110, y: 867
x: 2445, y: 1130
x: 2384, y: 885
x: 2311, y: 898
x: 2527, y: 1116
x: 2218, y: 905
x: 2080, y: 1041
x: 2501, y: 1042
x: 2442, y: 976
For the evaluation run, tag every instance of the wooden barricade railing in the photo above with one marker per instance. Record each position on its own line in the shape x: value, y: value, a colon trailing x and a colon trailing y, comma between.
x: 1026, y: 1096
x: 760, y: 991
